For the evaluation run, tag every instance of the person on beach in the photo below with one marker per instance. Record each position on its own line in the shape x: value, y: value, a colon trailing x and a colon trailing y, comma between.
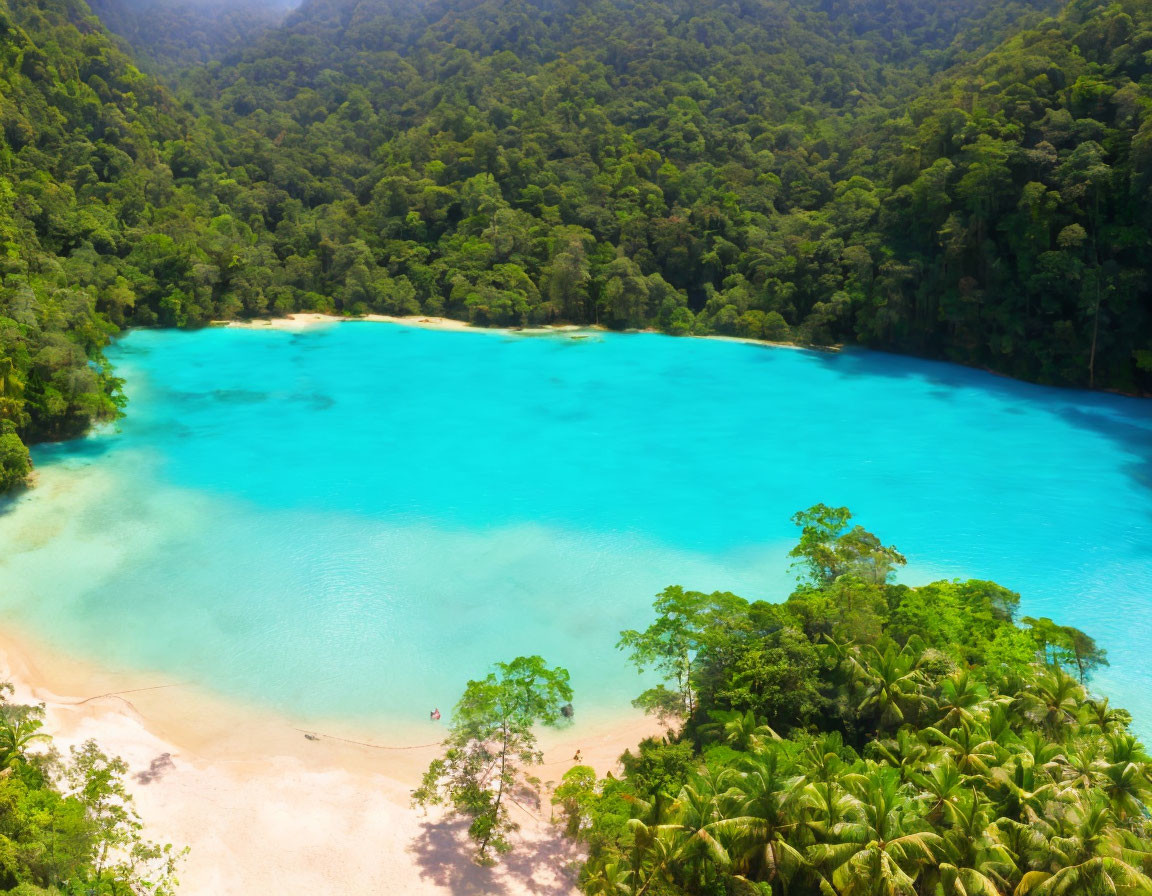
x: 434, y: 715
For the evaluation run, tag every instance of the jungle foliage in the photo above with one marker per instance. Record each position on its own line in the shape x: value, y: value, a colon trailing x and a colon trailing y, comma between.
x: 868, y: 738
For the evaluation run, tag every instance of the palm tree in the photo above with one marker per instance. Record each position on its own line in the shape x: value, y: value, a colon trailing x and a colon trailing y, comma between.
x: 687, y: 839
x: 654, y: 848
x: 892, y: 685
x: 971, y: 749
x: 741, y: 731
x: 1053, y: 701
x: 1125, y: 784
x: 821, y: 759
x: 1024, y: 842
x: 907, y: 753
x: 974, y: 862
x: 962, y: 700
x: 1000, y: 724
x: 16, y: 733
x: 1120, y: 746
x: 1085, y: 858
x: 764, y: 816
x: 1081, y: 767
x: 1040, y: 751
x: 1021, y: 791
x: 825, y: 805
x: 1107, y: 718
x: 608, y: 879
x: 884, y: 849
x: 942, y: 787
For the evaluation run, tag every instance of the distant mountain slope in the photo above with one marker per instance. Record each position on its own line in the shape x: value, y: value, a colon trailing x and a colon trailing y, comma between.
x: 172, y: 34
x: 829, y: 172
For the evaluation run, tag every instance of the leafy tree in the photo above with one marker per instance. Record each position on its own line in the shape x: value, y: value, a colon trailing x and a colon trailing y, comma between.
x: 685, y: 621
x: 15, y: 464
x: 828, y: 549
x: 491, y: 744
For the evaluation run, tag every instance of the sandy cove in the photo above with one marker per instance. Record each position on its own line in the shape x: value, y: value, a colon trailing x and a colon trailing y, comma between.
x: 265, y: 809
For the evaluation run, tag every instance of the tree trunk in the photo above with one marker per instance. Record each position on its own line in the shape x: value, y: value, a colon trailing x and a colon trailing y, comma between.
x: 499, y: 790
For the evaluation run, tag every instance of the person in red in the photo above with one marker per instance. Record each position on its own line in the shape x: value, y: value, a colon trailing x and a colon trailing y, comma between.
x: 434, y: 715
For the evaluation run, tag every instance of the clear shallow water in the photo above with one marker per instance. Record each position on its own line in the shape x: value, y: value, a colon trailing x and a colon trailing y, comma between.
x: 351, y: 521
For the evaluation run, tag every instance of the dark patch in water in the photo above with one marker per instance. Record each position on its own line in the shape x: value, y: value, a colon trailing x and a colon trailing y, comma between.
x: 227, y: 396
x: 317, y: 401
x: 172, y: 429
x: 239, y: 396
x: 8, y: 501
x: 1132, y: 438
x: 559, y: 414
x: 89, y: 449
x: 124, y: 348
x: 1126, y: 421
x: 309, y: 340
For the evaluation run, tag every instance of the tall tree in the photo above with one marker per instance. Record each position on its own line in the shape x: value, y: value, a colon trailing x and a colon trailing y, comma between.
x: 492, y: 743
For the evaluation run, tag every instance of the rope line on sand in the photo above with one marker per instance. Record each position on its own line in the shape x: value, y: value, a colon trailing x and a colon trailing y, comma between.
x: 362, y: 743
x: 155, y: 687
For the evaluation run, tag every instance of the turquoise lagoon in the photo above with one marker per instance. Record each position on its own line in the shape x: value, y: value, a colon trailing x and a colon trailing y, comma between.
x: 352, y: 520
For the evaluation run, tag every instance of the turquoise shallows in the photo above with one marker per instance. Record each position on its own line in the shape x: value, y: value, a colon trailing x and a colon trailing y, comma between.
x: 353, y: 520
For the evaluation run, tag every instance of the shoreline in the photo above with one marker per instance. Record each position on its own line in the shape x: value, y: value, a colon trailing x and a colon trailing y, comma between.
x: 332, y: 809
x: 303, y: 320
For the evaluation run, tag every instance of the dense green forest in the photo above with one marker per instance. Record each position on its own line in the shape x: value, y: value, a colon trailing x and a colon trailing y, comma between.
x: 870, y: 739
x: 966, y: 179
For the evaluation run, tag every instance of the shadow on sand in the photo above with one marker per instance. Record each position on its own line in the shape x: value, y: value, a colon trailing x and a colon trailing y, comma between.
x: 542, y: 862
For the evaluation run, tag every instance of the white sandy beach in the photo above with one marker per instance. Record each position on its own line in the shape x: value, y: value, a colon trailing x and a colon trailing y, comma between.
x: 265, y: 809
x: 305, y: 320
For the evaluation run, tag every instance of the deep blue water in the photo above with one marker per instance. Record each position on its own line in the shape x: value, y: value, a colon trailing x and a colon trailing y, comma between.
x: 353, y: 520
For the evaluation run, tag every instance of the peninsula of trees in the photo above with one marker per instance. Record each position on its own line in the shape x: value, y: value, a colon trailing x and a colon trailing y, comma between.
x: 867, y: 739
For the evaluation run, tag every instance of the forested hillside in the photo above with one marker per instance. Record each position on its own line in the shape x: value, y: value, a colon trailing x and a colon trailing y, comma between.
x: 965, y: 179
x: 113, y: 211
x: 95, y: 229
